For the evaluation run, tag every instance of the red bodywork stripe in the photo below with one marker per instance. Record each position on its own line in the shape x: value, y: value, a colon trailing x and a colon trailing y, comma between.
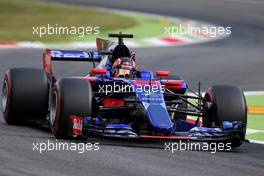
x: 164, y: 137
x: 176, y: 87
x: 160, y: 73
x: 47, y: 62
x: 173, y: 84
x: 111, y: 102
x: 146, y: 82
x: 96, y: 71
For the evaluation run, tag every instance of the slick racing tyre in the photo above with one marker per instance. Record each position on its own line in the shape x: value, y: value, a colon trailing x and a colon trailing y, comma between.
x: 24, y: 95
x: 70, y: 96
x: 228, y: 104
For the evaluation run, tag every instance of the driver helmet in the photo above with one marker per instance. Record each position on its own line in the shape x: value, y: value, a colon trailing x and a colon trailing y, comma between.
x: 124, y: 67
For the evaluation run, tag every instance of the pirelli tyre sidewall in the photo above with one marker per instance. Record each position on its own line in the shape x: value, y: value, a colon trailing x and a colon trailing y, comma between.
x: 228, y: 104
x: 70, y: 96
x: 6, y: 90
x: 24, y: 95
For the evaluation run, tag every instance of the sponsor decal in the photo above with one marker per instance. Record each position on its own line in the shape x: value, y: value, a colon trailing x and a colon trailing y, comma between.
x: 70, y: 54
x: 77, y: 125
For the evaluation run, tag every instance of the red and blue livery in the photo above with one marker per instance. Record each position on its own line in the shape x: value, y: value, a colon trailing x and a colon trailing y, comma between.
x: 130, y: 104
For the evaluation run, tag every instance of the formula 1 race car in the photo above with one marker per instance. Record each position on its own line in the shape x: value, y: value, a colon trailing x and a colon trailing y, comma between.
x: 116, y: 99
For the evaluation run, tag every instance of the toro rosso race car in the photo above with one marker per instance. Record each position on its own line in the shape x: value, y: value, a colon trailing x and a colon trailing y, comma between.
x: 117, y: 99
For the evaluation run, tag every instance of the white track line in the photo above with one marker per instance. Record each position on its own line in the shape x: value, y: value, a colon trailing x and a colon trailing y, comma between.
x: 256, y: 142
x: 246, y: 1
x: 254, y: 92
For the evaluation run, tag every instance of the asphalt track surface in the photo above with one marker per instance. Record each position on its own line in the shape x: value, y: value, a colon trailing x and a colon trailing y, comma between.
x: 236, y: 60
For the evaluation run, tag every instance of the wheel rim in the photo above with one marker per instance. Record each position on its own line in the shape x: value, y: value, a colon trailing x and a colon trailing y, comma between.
x: 53, y: 108
x: 5, y: 96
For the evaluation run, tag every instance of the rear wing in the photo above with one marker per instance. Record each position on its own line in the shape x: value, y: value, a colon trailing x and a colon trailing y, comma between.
x: 68, y: 55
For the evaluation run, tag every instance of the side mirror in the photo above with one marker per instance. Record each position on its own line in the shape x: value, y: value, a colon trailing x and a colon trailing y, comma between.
x: 98, y: 71
x: 160, y: 73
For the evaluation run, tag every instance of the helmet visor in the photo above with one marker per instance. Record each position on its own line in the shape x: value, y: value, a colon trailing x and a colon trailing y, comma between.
x: 123, y: 72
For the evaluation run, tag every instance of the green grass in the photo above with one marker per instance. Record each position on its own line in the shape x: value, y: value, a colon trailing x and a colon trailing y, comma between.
x: 17, y: 19
x: 147, y: 26
x: 255, y: 100
x: 256, y: 136
x: 256, y: 122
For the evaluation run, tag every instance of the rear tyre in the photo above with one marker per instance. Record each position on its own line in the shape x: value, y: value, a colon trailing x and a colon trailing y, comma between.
x: 70, y: 96
x: 24, y: 95
x: 228, y: 104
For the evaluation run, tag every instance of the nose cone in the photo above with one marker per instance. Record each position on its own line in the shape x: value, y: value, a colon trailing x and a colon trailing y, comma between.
x: 159, y: 118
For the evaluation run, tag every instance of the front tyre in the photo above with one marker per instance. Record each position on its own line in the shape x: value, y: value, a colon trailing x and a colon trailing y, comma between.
x: 227, y: 104
x: 70, y: 97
